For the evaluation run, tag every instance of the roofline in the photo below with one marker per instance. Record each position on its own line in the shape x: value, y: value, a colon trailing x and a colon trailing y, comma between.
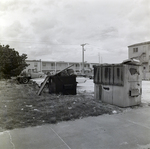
x: 60, y: 62
x: 142, y: 43
x: 32, y: 60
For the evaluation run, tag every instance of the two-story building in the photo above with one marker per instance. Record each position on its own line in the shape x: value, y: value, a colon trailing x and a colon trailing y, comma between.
x: 34, y: 66
x: 141, y: 52
x: 55, y: 66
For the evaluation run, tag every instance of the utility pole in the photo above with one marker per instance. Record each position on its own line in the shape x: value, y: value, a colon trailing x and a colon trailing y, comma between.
x: 40, y: 65
x: 83, y: 56
x: 99, y: 58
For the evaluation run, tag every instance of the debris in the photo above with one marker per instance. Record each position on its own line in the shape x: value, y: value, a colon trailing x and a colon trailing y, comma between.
x: 114, y: 112
x: 36, y: 110
x: 29, y: 106
x: 51, y: 106
x: 69, y: 108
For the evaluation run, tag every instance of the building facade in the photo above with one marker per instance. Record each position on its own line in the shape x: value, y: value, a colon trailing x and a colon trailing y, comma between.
x: 34, y: 66
x: 141, y: 52
x: 55, y: 66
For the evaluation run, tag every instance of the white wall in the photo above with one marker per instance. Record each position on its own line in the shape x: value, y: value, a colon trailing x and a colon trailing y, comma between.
x: 33, y: 65
x: 144, y: 58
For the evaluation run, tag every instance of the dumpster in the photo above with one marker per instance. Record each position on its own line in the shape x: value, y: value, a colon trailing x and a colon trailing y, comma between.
x: 118, y: 84
x: 65, y: 85
x: 63, y: 82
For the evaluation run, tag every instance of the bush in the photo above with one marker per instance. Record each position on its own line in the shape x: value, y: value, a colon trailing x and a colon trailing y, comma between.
x: 1, y: 75
x: 11, y: 63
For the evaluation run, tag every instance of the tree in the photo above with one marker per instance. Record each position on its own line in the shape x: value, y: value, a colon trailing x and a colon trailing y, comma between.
x: 11, y: 63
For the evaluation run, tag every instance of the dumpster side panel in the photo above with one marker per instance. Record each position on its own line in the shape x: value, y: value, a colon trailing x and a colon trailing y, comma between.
x: 97, y: 75
x: 65, y: 85
x: 106, y: 94
x: 130, y: 93
x: 118, y: 75
x: 134, y: 85
x: 97, y: 91
x: 118, y: 95
x: 69, y: 87
x: 119, y: 86
x: 134, y: 95
x: 107, y: 75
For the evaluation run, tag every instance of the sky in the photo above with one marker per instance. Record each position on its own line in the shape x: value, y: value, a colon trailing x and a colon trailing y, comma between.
x: 53, y: 30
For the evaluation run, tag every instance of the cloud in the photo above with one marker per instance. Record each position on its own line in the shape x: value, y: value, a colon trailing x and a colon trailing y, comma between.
x: 11, y: 5
x: 54, y: 30
x: 14, y: 29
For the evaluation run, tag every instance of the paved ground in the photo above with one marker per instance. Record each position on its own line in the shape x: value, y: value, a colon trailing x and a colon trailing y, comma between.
x: 128, y: 130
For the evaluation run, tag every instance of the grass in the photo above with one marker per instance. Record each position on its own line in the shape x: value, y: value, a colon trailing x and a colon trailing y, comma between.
x: 20, y: 106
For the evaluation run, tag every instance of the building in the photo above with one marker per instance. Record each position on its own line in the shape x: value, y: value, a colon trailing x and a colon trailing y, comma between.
x: 55, y: 66
x: 141, y: 52
x: 34, y: 66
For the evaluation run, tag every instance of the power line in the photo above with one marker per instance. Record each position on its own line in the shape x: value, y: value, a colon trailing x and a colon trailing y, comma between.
x: 38, y: 42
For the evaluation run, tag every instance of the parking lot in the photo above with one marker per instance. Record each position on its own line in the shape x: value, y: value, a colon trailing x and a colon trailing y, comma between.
x: 88, y: 87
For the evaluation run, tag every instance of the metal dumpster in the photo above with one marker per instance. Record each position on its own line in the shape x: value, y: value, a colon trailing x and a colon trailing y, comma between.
x: 118, y: 84
x: 65, y: 85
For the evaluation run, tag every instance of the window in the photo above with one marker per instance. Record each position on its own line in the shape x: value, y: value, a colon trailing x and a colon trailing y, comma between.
x: 52, y: 64
x: 44, y: 64
x: 135, y: 50
x: 77, y: 65
x: 34, y: 70
x: 35, y: 64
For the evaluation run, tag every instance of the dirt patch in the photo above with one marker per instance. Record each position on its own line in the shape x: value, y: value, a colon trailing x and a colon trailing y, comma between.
x: 20, y: 106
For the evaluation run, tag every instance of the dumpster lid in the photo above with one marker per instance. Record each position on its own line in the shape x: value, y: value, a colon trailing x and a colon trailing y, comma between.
x: 131, y: 62
x: 107, y: 65
x: 126, y: 62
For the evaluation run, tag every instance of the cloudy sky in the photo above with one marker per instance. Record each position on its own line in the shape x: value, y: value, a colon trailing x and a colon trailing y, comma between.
x: 55, y: 29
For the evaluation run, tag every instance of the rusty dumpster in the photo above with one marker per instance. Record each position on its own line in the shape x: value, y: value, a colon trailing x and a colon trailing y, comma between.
x: 118, y: 84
